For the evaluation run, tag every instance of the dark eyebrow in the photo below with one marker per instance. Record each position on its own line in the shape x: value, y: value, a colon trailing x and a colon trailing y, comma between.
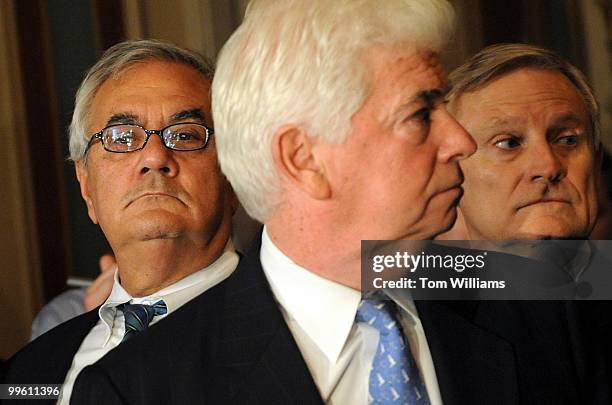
x: 194, y: 114
x: 122, y: 118
x: 432, y: 96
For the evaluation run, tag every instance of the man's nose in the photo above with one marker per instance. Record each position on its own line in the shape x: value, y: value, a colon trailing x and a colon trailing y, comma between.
x: 456, y: 143
x: 155, y: 156
x: 544, y: 164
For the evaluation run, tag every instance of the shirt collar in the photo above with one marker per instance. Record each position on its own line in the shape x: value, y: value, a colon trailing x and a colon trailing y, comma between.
x: 177, y: 294
x: 324, y: 310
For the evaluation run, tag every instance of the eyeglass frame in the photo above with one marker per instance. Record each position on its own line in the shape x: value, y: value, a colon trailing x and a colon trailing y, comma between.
x: 149, y: 132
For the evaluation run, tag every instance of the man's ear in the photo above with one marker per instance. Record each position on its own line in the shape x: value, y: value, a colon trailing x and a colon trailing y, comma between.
x: 82, y: 177
x: 295, y: 157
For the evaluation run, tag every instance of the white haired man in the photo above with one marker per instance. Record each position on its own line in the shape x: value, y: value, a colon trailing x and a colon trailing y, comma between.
x: 332, y: 129
x: 141, y: 138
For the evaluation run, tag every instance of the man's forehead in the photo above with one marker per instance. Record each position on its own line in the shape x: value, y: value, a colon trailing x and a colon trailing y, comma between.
x: 519, y: 96
x: 154, y: 90
x: 407, y: 58
x: 406, y: 74
x: 187, y: 114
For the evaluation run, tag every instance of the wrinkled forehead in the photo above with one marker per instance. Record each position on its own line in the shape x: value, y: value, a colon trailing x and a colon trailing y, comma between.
x: 401, y: 61
x: 151, y: 91
x: 400, y: 76
x: 522, y: 97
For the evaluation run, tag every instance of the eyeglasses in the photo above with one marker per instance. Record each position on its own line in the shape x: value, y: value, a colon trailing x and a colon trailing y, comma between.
x: 125, y: 138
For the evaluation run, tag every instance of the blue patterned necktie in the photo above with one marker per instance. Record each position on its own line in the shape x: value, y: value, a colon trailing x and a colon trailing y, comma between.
x: 395, y: 377
x: 139, y: 316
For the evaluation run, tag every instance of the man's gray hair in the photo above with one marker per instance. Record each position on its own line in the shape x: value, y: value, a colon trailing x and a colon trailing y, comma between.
x: 114, y: 61
x: 305, y: 63
x: 498, y: 60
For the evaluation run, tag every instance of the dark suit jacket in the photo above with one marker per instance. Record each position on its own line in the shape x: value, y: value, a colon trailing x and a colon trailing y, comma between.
x: 231, y: 345
x: 47, y: 359
x: 3, y: 365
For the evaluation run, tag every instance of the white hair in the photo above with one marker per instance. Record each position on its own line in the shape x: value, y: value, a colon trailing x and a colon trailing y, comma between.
x: 116, y: 60
x: 303, y: 63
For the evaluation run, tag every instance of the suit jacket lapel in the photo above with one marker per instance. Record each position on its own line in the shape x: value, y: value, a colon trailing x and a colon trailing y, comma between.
x: 502, y: 352
x: 257, y: 345
x: 472, y: 365
x: 71, y: 341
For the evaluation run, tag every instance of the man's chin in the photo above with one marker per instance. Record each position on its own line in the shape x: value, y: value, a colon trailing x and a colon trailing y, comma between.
x: 546, y: 233
x: 157, y: 224
x: 549, y: 225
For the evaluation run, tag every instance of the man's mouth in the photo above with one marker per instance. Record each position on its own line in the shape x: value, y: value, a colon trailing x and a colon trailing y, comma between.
x: 152, y: 194
x: 544, y: 201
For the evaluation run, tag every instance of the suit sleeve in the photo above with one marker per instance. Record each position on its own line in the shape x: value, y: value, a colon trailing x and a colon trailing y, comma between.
x: 94, y: 386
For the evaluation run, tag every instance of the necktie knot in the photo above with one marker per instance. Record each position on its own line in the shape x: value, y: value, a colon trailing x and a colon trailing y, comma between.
x: 139, y: 316
x: 378, y: 314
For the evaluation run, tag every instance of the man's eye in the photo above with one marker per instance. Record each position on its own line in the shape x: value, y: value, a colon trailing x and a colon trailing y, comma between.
x: 123, y: 138
x: 508, y: 143
x: 569, y: 140
x: 423, y: 115
x: 186, y: 136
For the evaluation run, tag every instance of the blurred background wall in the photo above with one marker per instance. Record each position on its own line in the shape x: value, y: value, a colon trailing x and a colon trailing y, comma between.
x: 45, y: 48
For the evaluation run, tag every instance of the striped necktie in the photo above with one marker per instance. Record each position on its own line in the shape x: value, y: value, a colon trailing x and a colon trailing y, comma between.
x: 139, y: 316
x: 395, y: 377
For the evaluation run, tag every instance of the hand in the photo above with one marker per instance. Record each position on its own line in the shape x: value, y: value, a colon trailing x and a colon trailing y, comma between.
x: 101, y: 288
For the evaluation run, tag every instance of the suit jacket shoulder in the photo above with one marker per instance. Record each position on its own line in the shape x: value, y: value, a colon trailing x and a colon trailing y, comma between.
x: 48, y: 358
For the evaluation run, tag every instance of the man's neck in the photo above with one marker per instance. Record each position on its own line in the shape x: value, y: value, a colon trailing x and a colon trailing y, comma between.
x: 146, y: 267
x: 328, y: 256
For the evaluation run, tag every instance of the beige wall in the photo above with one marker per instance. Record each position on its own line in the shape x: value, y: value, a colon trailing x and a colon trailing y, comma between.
x: 202, y: 25
x: 205, y: 25
x: 20, y: 282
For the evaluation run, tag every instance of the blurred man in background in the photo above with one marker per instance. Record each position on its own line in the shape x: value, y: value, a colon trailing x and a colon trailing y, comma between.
x: 536, y: 123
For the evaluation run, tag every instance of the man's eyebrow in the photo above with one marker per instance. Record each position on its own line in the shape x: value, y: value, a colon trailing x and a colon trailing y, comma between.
x: 429, y: 98
x: 432, y: 96
x: 122, y: 118
x: 195, y: 114
x: 569, y: 119
x: 500, y: 122
x: 566, y: 122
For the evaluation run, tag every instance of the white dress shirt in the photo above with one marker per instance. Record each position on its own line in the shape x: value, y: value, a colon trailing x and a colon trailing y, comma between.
x: 109, y: 331
x: 321, y: 316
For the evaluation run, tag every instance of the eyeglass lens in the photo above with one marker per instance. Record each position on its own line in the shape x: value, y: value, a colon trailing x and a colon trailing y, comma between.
x: 128, y: 138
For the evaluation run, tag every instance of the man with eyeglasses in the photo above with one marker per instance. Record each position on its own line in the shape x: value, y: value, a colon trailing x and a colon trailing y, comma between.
x: 142, y: 141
